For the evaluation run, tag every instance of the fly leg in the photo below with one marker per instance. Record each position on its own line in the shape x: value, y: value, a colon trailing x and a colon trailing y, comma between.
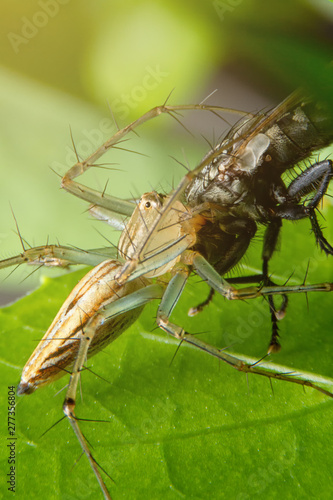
x: 314, y: 179
x: 276, y: 314
x: 200, y: 307
x: 214, y: 280
x: 242, y: 364
x: 270, y: 242
x: 256, y: 278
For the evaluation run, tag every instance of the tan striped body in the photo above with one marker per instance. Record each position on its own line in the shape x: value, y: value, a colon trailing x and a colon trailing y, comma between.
x: 56, y: 352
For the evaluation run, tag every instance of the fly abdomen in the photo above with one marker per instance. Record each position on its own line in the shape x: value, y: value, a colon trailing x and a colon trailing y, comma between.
x: 299, y: 132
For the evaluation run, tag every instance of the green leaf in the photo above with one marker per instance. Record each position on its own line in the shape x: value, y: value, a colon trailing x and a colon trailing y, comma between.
x: 193, y: 428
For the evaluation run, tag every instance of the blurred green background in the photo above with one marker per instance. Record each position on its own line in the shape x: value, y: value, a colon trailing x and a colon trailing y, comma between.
x: 64, y: 62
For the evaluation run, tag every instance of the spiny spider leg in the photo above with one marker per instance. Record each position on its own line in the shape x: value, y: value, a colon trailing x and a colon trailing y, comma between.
x: 112, y: 203
x: 108, y: 314
x: 59, y: 256
x: 208, y: 273
x: 167, y: 304
x: 169, y: 299
x: 96, y: 312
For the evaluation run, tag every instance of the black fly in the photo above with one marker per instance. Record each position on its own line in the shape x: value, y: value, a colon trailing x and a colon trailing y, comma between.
x: 244, y: 185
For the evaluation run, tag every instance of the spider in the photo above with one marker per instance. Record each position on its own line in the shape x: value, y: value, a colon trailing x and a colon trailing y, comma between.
x: 203, y: 226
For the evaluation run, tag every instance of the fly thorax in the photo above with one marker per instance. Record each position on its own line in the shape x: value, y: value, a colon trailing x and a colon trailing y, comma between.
x: 302, y: 121
x: 243, y: 160
x: 251, y: 157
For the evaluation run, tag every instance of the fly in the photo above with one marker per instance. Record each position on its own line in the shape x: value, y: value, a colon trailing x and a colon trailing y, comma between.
x: 245, y: 186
